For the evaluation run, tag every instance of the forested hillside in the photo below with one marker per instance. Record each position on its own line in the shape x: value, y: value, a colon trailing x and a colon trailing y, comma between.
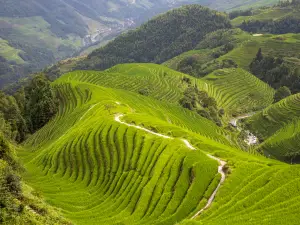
x: 159, y: 39
x: 35, y: 34
x: 279, y: 19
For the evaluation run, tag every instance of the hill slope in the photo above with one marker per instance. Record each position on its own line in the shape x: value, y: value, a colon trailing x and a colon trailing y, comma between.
x: 275, y: 117
x: 115, y: 173
x: 159, y: 39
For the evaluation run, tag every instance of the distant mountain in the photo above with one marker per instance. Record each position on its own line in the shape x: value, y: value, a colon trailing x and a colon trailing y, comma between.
x: 34, y: 34
x: 160, y: 39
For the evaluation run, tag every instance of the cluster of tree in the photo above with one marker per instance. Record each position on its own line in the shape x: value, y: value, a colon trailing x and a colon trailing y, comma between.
x: 220, y: 43
x: 237, y: 13
x: 277, y: 73
x: 159, y: 39
x: 10, y: 185
x: 288, y: 24
x: 200, y: 102
x: 28, y: 109
x: 190, y: 65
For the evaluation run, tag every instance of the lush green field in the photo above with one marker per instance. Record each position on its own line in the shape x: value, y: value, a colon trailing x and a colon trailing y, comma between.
x: 113, y: 173
x: 99, y: 171
x: 278, y: 125
x: 235, y: 90
x: 284, y: 144
x: 238, y: 91
x: 275, y: 117
x: 286, y: 45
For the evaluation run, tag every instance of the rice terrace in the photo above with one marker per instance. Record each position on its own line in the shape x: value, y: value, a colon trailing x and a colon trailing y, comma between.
x: 192, y: 118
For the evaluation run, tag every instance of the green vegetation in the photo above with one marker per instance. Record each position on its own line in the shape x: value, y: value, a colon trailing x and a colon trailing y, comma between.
x: 28, y: 110
x: 279, y: 19
x: 281, y: 93
x: 160, y: 39
x: 275, y: 117
x: 284, y: 144
x: 238, y: 91
x: 126, y: 172
x: 113, y: 173
x: 200, y: 102
x: 19, y: 203
x: 142, y: 143
x: 276, y: 72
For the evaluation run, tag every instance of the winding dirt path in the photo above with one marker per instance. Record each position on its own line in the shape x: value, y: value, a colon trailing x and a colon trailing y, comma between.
x: 190, y: 146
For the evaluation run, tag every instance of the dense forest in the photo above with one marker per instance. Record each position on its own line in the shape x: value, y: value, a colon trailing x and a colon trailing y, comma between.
x: 289, y: 23
x: 159, y: 39
x: 276, y: 72
x: 200, y: 102
x: 216, y: 43
x: 29, y: 109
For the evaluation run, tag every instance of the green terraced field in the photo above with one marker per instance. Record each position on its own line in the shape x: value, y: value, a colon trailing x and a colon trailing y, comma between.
x: 278, y: 125
x: 286, y: 45
x: 284, y: 144
x: 275, y: 117
x: 235, y: 90
x: 238, y: 91
x: 99, y: 171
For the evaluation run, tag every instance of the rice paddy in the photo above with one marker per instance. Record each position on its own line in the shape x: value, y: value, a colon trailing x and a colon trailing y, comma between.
x: 97, y: 170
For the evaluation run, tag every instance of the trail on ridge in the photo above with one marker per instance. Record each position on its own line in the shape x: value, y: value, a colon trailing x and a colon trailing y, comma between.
x: 190, y: 146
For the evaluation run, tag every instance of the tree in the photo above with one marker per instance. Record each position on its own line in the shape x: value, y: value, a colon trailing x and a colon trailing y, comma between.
x: 41, y: 103
x: 259, y: 55
x: 282, y: 93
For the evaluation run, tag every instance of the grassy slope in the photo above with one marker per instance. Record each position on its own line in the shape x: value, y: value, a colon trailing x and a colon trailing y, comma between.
x: 115, y: 174
x: 36, y: 31
x: 275, y: 117
x: 238, y: 91
x: 241, y: 4
x: 165, y: 84
x: 245, y: 49
x: 278, y: 125
x: 284, y: 144
x: 286, y: 45
x: 9, y: 52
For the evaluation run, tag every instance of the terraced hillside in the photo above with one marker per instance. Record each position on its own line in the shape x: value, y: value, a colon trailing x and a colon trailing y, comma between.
x: 114, y: 173
x: 284, y: 144
x: 238, y: 91
x: 100, y: 170
x: 278, y: 125
x: 235, y: 90
x: 275, y: 117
